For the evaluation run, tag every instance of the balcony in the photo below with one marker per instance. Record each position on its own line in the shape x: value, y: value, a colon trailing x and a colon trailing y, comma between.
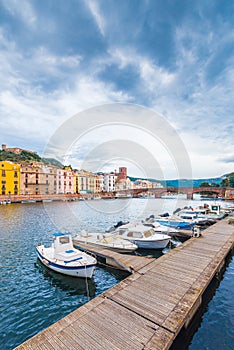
x: 35, y: 184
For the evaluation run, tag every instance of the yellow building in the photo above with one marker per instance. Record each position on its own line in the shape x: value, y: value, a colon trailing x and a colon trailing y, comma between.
x: 86, y: 182
x: 76, y: 183
x: 9, y: 178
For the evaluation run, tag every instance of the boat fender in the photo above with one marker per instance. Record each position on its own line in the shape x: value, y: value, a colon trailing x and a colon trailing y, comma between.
x: 196, y: 232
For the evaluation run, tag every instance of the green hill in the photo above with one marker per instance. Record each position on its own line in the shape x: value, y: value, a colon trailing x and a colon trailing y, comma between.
x: 226, y: 180
x: 24, y: 156
x: 52, y: 161
x: 28, y: 157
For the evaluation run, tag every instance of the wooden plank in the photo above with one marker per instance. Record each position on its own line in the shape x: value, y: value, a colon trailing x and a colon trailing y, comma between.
x: 118, y: 334
x: 70, y: 339
x: 153, y: 313
x: 123, y: 317
x: 161, y: 340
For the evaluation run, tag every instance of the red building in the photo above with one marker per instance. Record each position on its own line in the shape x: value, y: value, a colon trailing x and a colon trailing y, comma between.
x: 122, y: 175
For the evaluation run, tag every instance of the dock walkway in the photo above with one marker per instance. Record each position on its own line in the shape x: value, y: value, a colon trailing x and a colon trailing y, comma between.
x: 125, y: 262
x: 149, y: 308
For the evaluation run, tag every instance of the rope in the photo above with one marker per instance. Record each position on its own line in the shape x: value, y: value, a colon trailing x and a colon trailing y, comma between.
x: 87, y: 285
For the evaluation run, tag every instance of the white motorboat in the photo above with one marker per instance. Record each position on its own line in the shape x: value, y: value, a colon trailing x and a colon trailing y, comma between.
x: 62, y: 257
x: 174, y: 196
x: 107, y: 240
x: 143, y: 236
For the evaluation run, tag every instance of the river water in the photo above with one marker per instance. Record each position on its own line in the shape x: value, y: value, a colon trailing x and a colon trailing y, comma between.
x: 33, y: 297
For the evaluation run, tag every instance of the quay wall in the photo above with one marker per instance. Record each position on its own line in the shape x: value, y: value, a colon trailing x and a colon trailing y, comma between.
x: 42, y: 197
x: 226, y: 193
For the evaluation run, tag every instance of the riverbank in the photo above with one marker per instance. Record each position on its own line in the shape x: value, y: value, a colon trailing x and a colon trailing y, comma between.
x: 53, y: 198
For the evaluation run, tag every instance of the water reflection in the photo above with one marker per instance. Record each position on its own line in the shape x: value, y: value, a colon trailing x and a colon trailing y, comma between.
x: 72, y: 286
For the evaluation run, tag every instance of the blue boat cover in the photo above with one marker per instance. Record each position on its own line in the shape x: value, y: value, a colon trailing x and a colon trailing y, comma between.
x: 70, y: 251
x: 68, y: 261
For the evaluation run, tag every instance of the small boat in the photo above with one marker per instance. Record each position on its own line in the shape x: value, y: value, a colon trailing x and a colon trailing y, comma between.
x: 174, y: 196
x: 175, y: 222
x: 143, y: 236
x: 203, y: 214
x: 62, y: 257
x: 107, y: 240
x: 6, y: 201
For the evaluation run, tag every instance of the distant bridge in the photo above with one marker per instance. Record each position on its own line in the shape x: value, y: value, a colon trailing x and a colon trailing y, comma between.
x: 189, y: 191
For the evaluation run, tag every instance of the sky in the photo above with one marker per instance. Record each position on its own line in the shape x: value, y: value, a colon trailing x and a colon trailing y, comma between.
x: 101, y: 59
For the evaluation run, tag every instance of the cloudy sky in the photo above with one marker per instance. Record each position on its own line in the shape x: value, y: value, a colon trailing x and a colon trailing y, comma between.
x: 175, y: 58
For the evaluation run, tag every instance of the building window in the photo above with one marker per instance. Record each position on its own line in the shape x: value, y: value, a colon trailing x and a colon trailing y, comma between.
x: 15, y: 182
x: 15, y: 174
x: 3, y: 173
x: 3, y: 192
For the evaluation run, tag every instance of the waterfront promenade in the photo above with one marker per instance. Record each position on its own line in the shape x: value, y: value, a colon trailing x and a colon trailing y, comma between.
x: 149, y: 308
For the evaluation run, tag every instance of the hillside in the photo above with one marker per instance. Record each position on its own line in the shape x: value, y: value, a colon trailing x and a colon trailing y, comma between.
x: 227, y: 180
x: 25, y: 156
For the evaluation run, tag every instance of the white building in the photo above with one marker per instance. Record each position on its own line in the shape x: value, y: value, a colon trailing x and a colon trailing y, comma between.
x: 65, y: 181
x: 109, y: 182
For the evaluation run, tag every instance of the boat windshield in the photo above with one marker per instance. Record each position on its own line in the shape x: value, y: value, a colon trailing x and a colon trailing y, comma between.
x: 64, y: 240
x: 149, y: 233
x: 134, y: 234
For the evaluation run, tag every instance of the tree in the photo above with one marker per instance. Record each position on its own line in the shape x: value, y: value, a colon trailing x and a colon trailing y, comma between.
x: 231, y: 181
x: 205, y: 184
x: 225, y: 183
x: 214, y: 184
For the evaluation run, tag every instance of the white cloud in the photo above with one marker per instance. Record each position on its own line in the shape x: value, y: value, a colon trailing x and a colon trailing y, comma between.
x: 40, y: 89
x: 21, y: 9
x: 96, y: 13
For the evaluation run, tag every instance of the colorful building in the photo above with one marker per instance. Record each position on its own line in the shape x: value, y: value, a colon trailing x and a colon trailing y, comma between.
x: 86, y: 182
x: 9, y: 178
x: 38, y: 178
x: 68, y: 181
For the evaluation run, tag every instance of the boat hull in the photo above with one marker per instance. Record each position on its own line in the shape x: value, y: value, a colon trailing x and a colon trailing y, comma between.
x: 117, y: 249
x: 75, y: 271
x: 151, y: 244
x: 176, y: 224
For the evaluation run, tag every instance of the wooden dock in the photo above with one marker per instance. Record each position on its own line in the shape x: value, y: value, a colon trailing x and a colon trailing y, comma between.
x: 149, y: 308
x: 125, y: 262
